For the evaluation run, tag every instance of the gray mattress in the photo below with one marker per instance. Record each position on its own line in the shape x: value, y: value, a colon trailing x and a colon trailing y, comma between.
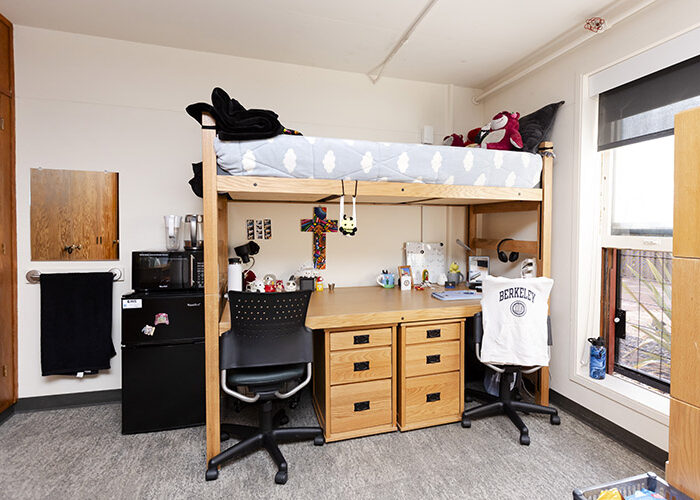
x: 323, y: 158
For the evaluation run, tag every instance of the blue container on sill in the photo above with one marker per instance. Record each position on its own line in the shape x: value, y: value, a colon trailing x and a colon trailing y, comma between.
x: 596, y: 366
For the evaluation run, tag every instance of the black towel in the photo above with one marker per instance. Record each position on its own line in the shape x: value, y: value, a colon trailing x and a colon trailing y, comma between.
x: 233, y: 121
x: 76, y: 323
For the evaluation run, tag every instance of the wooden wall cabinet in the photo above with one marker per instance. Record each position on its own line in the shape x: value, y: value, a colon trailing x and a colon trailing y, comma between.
x: 685, y: 345
x: 683, y: 467
x: 8, y: 233
x: 686, y: 188
x: 74, y: 215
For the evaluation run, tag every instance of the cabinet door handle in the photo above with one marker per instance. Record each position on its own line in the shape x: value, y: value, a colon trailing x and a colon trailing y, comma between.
x: 432, y: 397
x: 361, y: 366
x: 432, y: 358
x: 432, y: 334
x: 362, y: 406
x: 360, y: 339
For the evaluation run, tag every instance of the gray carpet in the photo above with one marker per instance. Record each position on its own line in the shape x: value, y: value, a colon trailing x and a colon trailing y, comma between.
x: 80, y: 453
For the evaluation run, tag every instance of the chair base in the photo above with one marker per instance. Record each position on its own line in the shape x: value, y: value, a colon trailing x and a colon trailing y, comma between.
x: 267, y: 436
x: 505, y: 405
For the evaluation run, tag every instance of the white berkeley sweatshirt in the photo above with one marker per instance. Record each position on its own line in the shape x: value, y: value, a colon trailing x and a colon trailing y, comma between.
x: 515, y: 320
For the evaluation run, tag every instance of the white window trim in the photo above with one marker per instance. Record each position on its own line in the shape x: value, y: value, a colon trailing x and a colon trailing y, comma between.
x: 608, y: 240
x: 586, y: 276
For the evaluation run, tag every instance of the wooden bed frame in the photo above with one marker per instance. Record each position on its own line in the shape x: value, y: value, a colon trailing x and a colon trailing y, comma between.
x: 476, y: 200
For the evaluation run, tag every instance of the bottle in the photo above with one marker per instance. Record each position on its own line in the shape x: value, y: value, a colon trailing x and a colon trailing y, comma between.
x: 597, y: 364
x: 235, y: 274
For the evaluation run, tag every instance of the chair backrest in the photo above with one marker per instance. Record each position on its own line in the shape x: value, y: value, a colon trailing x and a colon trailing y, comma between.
x: 515, y: 313
x: 267, y: 329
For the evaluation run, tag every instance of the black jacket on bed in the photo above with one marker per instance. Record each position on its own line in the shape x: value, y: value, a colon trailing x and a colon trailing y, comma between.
x: 76, y: 323
x: 233, y: 121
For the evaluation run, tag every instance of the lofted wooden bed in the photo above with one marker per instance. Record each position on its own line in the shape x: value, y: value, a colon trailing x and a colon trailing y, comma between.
x: 476, y: 200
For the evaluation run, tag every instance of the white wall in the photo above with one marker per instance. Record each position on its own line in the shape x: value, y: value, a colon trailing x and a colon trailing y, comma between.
x: 556, y: 81
x: 90, y: 103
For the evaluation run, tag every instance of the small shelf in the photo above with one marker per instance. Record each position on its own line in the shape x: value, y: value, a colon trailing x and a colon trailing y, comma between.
x: 275, y: 189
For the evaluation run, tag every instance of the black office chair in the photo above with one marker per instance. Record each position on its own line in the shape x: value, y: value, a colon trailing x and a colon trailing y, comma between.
x: 267, y: 350
x: 505, y: 403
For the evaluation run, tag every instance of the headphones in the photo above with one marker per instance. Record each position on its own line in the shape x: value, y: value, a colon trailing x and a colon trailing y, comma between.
x: 502, y: 256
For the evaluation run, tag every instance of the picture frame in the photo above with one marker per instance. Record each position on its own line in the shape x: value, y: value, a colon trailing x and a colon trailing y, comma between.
x: 405, y: 271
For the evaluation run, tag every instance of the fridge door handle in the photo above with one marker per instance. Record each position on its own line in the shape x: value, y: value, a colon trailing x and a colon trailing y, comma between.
x: 192, y: 266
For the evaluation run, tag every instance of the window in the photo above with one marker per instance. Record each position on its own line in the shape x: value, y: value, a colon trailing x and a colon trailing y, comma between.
x: 641, y: 317
x: 635, y: 141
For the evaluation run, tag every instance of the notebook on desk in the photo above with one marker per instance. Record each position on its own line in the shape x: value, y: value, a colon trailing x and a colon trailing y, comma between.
x: 457, y: 295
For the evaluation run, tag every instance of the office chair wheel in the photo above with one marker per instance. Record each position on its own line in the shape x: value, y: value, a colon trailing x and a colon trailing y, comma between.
x: 524, y: 439
x: 319, y: 440
x: 554, y: 420
x: 281, y: 477
x: 212, y: 473
x: 466, y: 423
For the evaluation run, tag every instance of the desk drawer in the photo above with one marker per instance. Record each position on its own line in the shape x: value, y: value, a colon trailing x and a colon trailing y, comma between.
x: 431, y: 397
x: 358, y: 339
x: 426, y: 359
x: 359, y: 406
x: 359, y: 365
x: 436, y: 332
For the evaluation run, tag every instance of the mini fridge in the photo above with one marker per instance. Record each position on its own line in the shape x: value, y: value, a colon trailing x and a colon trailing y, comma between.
x: 162, y: 361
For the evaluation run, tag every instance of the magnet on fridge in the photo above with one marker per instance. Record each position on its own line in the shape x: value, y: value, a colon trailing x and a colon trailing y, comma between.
x: 162, y: 319
x: 267, y: 229
x: 148, y: 330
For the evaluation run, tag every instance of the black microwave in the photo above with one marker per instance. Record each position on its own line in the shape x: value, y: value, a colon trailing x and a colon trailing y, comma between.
x: 167, y: 270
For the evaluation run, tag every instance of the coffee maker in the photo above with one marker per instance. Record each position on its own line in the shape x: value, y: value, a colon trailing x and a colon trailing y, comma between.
x: 194, y: 232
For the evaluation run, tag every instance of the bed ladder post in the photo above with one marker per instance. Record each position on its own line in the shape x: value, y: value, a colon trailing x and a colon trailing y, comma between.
x: 211, y: 287
x: 544, y: 258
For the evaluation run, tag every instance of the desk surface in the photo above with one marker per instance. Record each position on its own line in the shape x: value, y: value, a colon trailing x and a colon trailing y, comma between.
x: 374, y: 305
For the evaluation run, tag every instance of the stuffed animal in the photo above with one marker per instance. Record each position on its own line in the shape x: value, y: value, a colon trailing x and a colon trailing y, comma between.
x: 454, y: 267
x: 455, y: 140
x: 476, y: 135
x: 504, y: 132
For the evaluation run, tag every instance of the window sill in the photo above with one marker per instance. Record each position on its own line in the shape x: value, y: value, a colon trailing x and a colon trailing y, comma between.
x: 644, y: 401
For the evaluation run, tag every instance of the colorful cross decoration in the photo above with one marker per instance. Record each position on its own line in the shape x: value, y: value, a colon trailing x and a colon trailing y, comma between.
x: 319, y: 225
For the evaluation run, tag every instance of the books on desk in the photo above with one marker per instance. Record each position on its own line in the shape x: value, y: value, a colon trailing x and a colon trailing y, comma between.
x: 457, y: 295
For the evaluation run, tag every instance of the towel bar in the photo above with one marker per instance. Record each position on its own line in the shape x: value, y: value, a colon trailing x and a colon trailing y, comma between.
x: 34, y: 276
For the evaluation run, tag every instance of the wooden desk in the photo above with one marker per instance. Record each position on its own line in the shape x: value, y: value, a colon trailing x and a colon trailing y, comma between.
x: 386, y: 359
x: 376, y: 367
x: 373, y: 305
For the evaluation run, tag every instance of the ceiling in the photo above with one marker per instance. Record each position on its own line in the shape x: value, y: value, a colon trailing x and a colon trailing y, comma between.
x: 462, y: 42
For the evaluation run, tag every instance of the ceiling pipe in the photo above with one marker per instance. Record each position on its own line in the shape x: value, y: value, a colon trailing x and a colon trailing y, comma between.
x: 610, y: 21
x: 379, y: 68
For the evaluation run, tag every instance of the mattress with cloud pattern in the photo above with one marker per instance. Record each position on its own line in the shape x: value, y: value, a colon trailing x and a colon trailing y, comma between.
x: 324, y: 158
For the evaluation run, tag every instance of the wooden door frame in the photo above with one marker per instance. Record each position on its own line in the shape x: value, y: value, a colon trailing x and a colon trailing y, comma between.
x: 13, y: 213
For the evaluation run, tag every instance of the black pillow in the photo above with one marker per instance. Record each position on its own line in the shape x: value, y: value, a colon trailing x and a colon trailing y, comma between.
x: 537, y: 127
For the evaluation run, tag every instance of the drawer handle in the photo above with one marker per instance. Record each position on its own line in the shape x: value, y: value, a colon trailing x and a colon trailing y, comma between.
x: 362, y: 406
x: 433, y: 358
x: 432, y: 334
x: 432, y: 397
x: 360, y: 339
x: 361, y: 366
